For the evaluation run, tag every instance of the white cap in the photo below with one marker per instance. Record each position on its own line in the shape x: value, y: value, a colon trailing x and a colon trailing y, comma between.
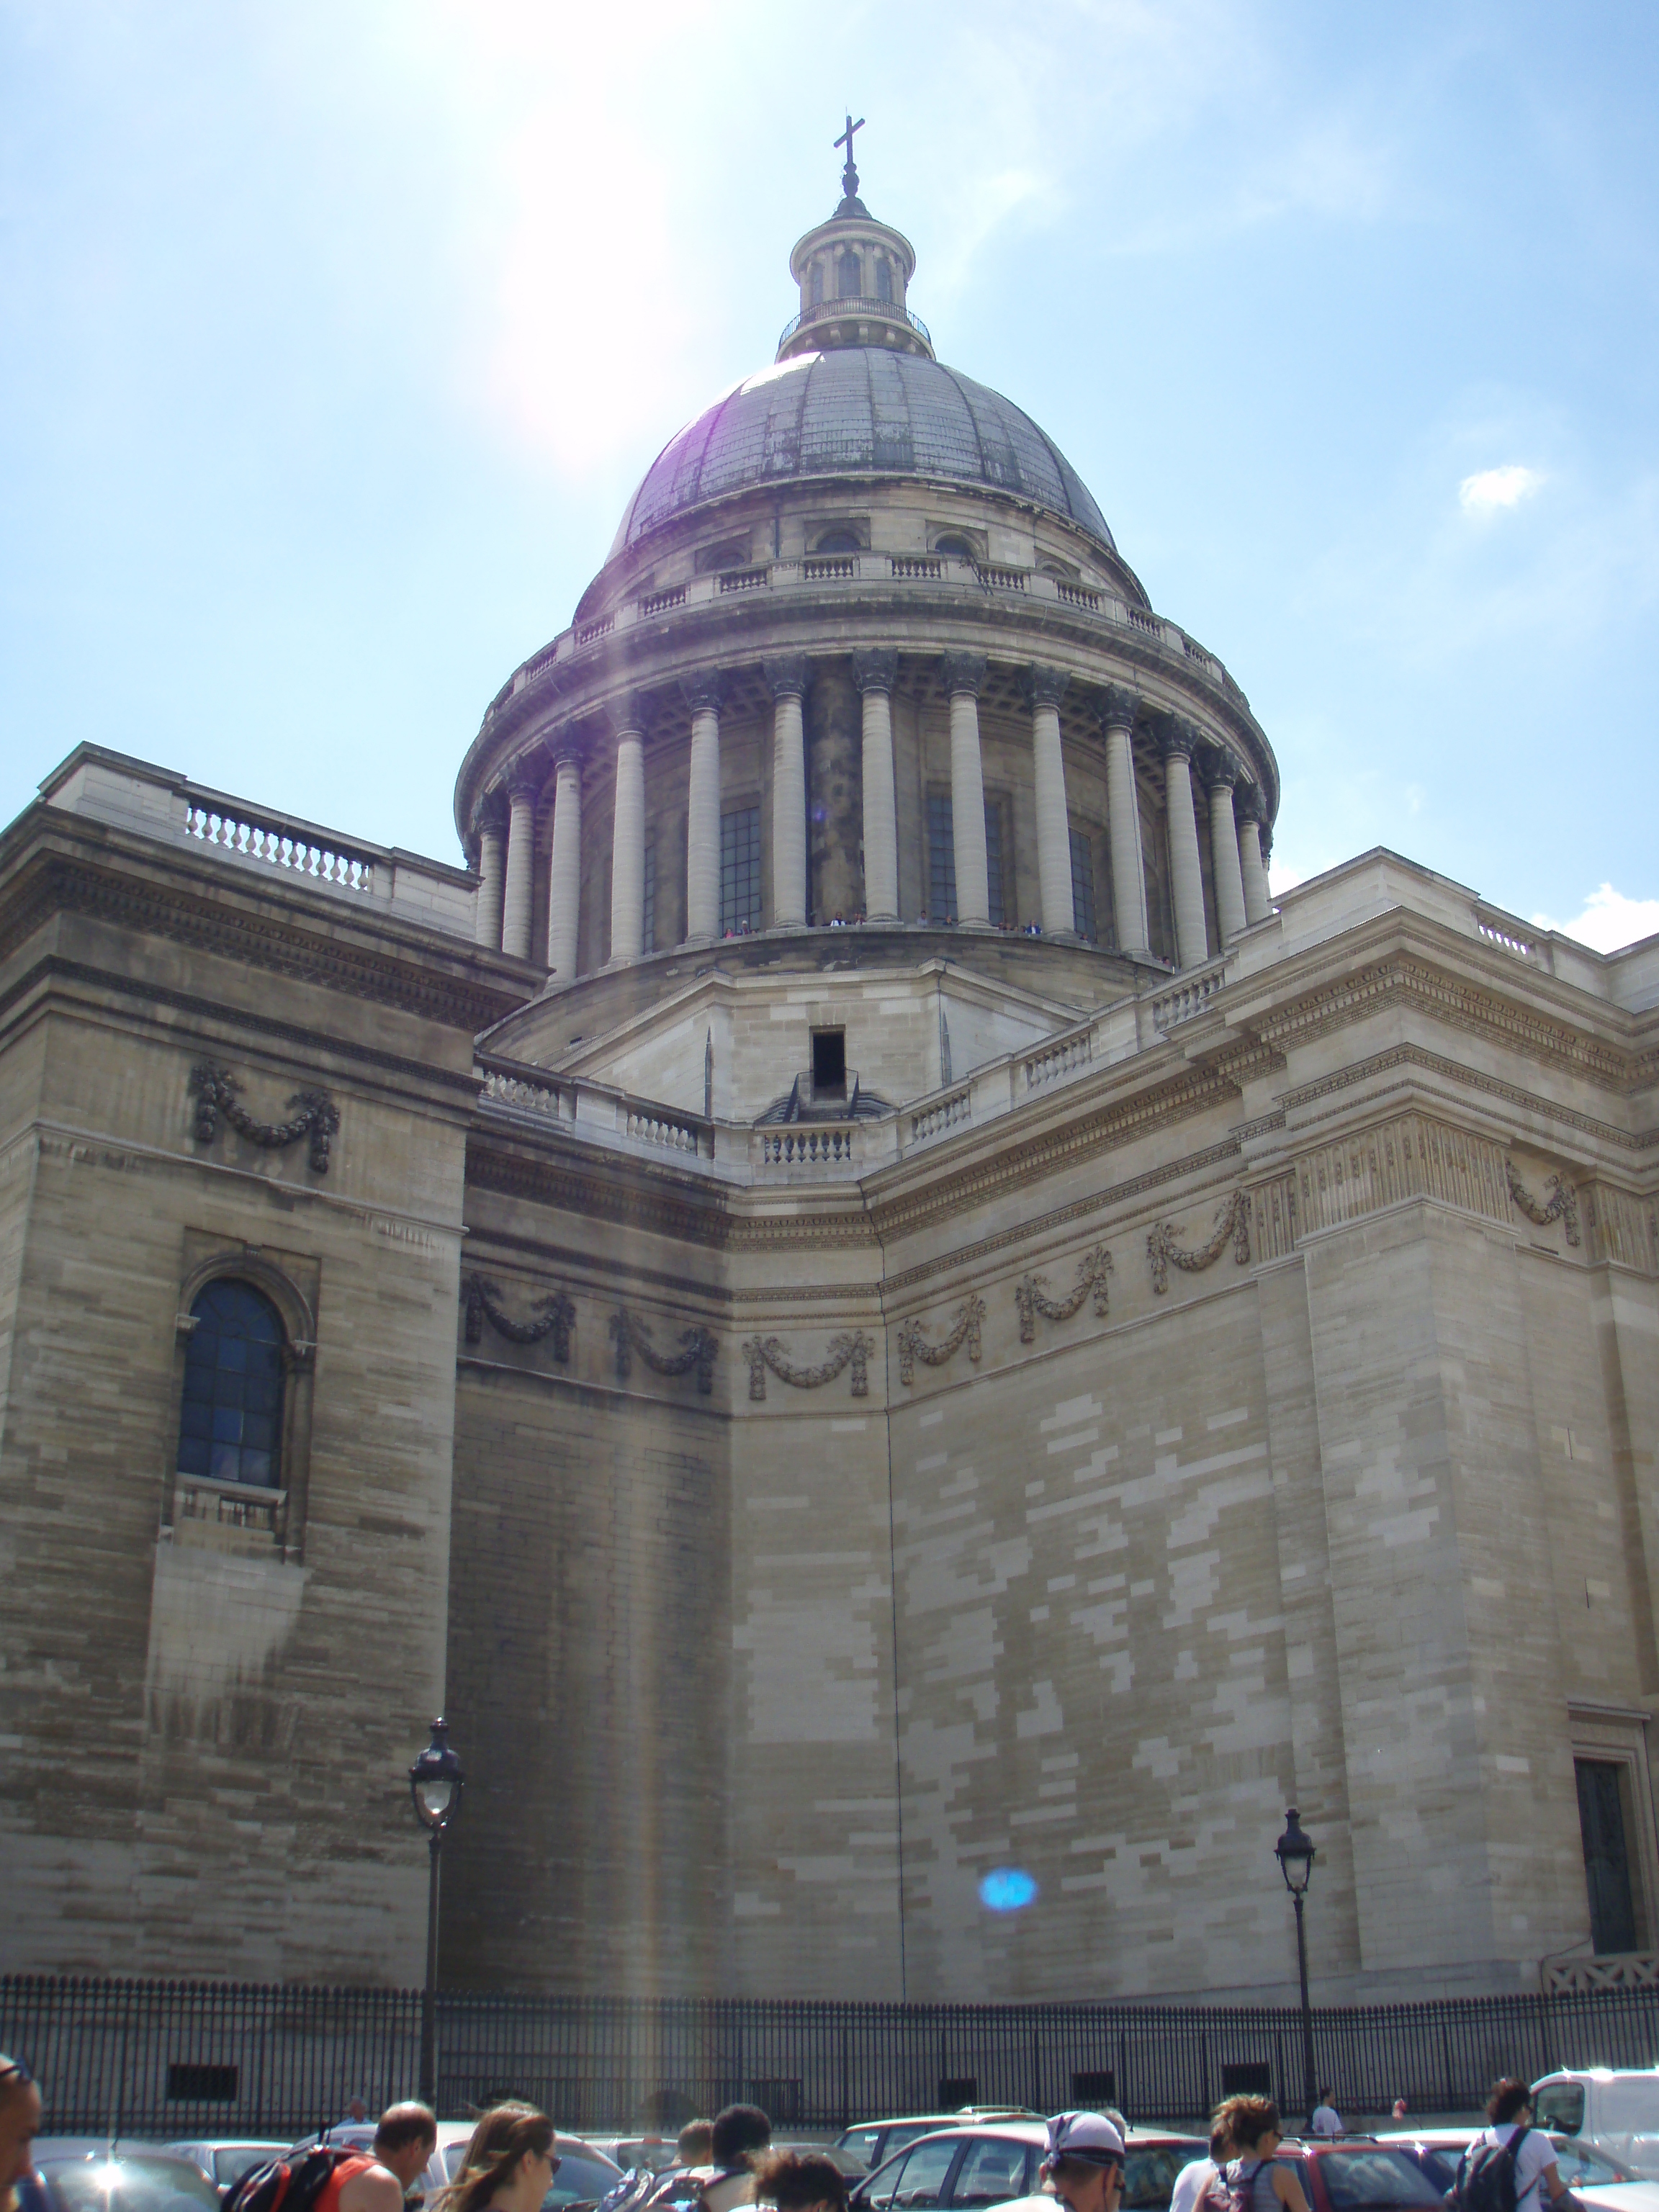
x: 1083, y: 2134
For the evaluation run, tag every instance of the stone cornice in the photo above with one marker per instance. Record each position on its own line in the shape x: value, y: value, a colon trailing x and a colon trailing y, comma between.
x: 1455, y: 1072
x: 607, y: 1189
x: 137, y: 884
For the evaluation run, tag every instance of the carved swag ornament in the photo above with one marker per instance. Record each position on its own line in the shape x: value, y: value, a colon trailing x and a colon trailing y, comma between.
x: 847, y: 1351
x: 699, y: 1346
x: 1232, y: 1222
x: 214, y: 1090
x: 1563, y: 1207
x: 913, y: 1345
x: 1092, y: 1272
x: 553, y: 1317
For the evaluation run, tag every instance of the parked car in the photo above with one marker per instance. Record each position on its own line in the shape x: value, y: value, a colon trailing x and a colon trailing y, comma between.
x: 965, y: 2168
x: 88, y: 2173
x: 1361, y: 2175
x: 1605, y: 2184
x: 844, y: 2161
x: 1614, y: 2110
x: 224, y: 2161
x: 872, y: 2141
x: 584, y: 2173
x: 629, y: 2152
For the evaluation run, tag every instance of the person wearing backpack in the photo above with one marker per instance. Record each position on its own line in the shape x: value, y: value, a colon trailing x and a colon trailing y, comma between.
x: 1510, y: 2163
x: 1254, y: 2180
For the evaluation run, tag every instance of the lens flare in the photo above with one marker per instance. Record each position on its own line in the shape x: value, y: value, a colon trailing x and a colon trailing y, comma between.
x: 1007, y: 1889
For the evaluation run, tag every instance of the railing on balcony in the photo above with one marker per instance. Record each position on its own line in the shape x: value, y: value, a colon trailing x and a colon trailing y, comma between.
x: 281, y: 847
x: 877, y: 310
x: 1189, y: 996
x: 808, y: 1146
x: 232, y: 1504
x: 947, y: 1113
x: 916, y: 568
x: 830, y: 567
x: 1061, y: 1057
x: 659, y: 1125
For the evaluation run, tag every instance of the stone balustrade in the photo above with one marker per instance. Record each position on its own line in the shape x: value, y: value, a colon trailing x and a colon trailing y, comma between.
x: 203, y: 1498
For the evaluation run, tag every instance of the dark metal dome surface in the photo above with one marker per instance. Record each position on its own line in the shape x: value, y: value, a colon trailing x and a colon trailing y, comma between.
x: 855, y: 411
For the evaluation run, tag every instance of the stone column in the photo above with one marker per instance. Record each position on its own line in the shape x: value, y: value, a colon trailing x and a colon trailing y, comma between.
x: 521, y: 789
x: 627, y: 836
x: 875, y: 673
x: 492, y: 864
x: 788, y: 681
x: 1220, y: 774
x: 1054, y: 825
x: 702, y: 821
x: 1247, y: 807
x: 1178, y: 741
x: 564, y: 869
x: 1123, y: 820
x: 964, y: 673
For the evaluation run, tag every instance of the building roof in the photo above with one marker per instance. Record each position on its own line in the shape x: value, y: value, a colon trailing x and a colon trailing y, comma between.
x: 857, y: 410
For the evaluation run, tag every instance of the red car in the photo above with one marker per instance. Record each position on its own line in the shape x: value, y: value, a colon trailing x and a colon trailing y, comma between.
x: 1360, y: 2177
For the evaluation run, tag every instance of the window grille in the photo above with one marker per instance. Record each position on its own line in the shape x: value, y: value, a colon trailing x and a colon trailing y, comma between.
x: 649, y: 931
x: 941, y: 859
x: 740, y: 901
x: 1083, y: 885
x: 993, y: 882
x: 230, y: 1421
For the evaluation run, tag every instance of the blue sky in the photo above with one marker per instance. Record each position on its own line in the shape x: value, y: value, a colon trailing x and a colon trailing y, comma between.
x: 339, y: 331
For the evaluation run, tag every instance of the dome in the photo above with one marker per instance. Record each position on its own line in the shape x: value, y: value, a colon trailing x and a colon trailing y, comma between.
x: 857, y: 410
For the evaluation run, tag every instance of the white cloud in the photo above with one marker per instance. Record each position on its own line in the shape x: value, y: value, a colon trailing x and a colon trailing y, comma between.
x: 1494, y: 488
x: 1609, y: 920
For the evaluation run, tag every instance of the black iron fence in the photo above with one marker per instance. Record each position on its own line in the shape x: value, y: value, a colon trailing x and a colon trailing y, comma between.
x: 172, y: 2059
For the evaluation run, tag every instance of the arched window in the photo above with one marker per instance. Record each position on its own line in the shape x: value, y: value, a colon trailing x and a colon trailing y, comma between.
x: 818, y: 283
x: 838, y: 541
x: 884, y: 279
x: 230, y: 1422
x: 849, y: 282
x: 956, y: 545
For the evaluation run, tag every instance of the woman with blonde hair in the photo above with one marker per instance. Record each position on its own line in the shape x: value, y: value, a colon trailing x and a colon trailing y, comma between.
x: 509, y: 2164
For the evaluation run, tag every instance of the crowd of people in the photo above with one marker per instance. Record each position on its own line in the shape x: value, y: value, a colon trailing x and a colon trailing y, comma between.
x: 730, y: 2162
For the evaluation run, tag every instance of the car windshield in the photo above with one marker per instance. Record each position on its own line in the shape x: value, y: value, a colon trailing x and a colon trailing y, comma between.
x: 232, y: 2160
x: 128, y: 2184
x: 861, y: 2141
x: 992, y: 2170
x: 1376, y: 2176
x: 1149, y: 2176
x: 578, y: 2181
x: 1578, y: 2165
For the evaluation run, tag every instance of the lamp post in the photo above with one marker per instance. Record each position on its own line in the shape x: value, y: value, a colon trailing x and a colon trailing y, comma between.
x: 436, y: 1782
x: 1295, y: 1852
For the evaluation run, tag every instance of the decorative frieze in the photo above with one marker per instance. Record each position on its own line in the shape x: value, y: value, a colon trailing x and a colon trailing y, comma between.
x: 1410, y: 1156
x: 1562, y: 1205
x: 553, y: 1316
x: 698, y: 1348
x: 1093, y: 1274
x: 1622, y: 1227
x: 1272, y: 1217
x: 214, y: 1090
x: 1231, y: 1224
x: 850, y: 1350
x: 913, y: 1345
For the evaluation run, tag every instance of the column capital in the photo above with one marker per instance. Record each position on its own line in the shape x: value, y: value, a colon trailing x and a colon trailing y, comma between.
x: 875, y: 668
x: 1045, y: 687
x: 786, y: 676
x: 1176, y: 740
x: 1249, y: 802
x: 1118, y: 708
x: 491, y: 811
x: 703, y: 694
x: 1217, y: 766
x: 625, y: 717
x: 962, y: 672
x: 524, y: 783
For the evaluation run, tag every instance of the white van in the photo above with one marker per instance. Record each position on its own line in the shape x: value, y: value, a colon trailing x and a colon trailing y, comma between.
x: 1616, y: 2110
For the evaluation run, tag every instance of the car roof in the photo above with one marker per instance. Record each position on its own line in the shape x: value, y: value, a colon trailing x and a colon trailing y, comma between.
x: 62, y: 2146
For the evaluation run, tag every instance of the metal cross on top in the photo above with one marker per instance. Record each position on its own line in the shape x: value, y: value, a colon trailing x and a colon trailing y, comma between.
x: 849, y: 175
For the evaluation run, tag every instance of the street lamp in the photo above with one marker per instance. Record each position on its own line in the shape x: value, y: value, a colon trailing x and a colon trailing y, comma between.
x: 1295, y: 1852
x: 435, y: 1782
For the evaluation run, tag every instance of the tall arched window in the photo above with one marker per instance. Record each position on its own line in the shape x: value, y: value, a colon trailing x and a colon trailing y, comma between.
x: 818, y: 283
x: 884, y: 279
x: 230, y: 1425
x: 849, y: 278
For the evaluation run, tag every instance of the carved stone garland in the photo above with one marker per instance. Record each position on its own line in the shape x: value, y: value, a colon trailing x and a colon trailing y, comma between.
x: 846, y: 1351
x: 1092, y: 1272
x: 1563, y: 1207
x: 629, y: 1334
x: 552, y: 1316
x: 1232, y: 1222
x: 913, y: 1345
x: 214, y: 1090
